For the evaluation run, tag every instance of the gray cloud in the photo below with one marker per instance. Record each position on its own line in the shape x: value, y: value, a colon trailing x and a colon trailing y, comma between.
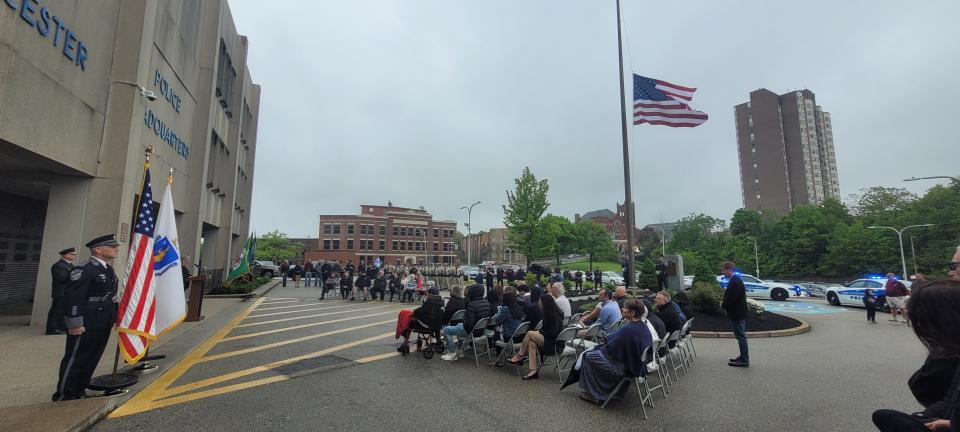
x: 442, y: 103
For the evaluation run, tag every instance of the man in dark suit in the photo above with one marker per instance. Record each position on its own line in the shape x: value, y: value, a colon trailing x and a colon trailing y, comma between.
x: 735, y: 303
x: 61, y: 276
x: 90, y: 312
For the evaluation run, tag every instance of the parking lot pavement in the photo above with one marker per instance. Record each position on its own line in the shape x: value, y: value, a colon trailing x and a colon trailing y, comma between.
x: 805, y: 306
x: 831, y: 378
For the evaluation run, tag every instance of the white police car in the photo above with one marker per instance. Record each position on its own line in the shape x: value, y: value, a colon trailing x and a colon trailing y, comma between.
x: 852, y: 293
x: 761, y: 289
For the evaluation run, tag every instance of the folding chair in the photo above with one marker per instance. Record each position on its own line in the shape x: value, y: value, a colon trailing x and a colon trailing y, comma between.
x: 687, y: 340
x: 581, y: 344
x: 538, y: 326
x: 573, y: 319
x: 663, y: 371
x: 654, y: 366
x: 565, y: 350
x: 646, y: 358
x: 472, y: 339
x: 521, y: 330
x: 457, y: 316
x: 676, y: 353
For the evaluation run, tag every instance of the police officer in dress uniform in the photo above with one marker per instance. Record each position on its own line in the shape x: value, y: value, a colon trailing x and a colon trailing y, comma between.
x: 61, y: 276
x: 90, y: 312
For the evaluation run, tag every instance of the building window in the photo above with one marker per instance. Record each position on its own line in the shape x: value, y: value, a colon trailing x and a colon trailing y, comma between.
x: 383, y: 244
x: 417, y: 245
x: 350, y: 244
x: 336, y: 245
x: 336, y: 228
x: 409, y: 245
x: 350, y: 228
x: 396, y: 231
x: 327, y: 229
x: 403, y: 246
x: 436, y: 247
x: 326, y: 245
x: 383, y: 230
x: 394, y: 245
x: 403, y: 231
x: 436, y: 232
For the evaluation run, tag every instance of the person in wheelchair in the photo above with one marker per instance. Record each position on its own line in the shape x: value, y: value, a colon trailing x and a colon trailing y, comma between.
x: 426, y: 320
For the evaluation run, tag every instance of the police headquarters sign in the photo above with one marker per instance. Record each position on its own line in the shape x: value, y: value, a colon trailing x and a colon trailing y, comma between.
x: 161, y: 128
x: 52, y: 27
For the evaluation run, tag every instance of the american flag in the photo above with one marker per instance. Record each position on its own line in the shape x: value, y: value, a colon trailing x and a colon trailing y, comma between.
x: 661, y: 103
x: 138, y: 305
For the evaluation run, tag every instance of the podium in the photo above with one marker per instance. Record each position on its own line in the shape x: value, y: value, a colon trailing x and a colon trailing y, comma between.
x: 195, y: 299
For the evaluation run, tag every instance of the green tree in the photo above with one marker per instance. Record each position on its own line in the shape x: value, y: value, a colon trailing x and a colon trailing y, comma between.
x: 555, y: 236
x: 275, y: 245
x: 522, y: 213
x: 854, y: 250
x: 648, y: 275
x: 746, y: 222
x: 882, y: 204
x: 593, y: 239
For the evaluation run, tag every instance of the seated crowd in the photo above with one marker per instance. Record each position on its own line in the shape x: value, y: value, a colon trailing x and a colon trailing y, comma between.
x: 626, y: 329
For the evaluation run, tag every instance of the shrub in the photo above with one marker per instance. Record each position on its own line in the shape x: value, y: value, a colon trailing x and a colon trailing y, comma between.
x: 756, y: 308
x: 567, y: 284
x: 241, y: 285
x: 705, y: 297
x: 587, y: 307
x: 588, y: 285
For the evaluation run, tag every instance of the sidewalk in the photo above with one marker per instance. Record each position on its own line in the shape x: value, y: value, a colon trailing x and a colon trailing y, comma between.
x: 30, y: 361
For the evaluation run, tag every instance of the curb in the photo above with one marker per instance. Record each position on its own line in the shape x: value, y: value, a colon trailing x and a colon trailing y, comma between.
x: 804, y: 327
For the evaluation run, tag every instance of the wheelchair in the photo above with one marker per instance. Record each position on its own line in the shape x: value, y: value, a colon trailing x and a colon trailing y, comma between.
x: 429, y: 341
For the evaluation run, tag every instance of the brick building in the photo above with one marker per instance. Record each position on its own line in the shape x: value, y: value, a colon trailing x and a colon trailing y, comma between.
x: 615, y: 223
x: 490, y: 246
x: 386, y: 232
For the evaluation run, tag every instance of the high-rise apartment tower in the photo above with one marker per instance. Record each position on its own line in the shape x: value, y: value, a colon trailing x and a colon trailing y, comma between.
x: 785, y: 149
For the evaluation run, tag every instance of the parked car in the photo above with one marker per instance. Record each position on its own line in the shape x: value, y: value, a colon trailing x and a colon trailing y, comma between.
x: 762, y: 289
x: 611, y: 277
x: 266, y: 268
x: 852, y: 293
x: 814, y: 289
x: 470, y: 271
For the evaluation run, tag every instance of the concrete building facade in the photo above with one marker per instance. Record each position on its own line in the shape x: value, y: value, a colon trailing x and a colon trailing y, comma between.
x: 386, y: 232
x: 85, y: 88
x: 490, y: 245
x: 786, y: 151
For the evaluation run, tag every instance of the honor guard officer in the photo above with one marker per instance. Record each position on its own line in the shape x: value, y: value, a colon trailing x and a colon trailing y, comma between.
x: 61, y: 276
x: 90, y: 312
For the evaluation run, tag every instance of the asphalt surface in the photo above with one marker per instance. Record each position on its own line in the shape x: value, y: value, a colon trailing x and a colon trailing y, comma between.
x: 831, y: 378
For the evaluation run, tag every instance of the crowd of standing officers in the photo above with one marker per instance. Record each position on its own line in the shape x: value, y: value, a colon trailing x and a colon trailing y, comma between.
x: 371, y: 281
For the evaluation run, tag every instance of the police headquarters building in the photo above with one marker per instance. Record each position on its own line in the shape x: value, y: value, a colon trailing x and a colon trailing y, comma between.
x: 85, y: 87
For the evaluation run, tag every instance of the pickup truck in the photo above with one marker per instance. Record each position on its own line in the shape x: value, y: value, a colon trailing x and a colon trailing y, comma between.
x: 266, y: 268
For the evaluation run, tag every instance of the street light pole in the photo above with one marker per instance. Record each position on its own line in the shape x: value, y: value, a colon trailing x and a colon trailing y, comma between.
x: 913, y: 254
x: 469, y: 242
x: 956, y: 179
x: 756, y: 255
x: 903, y: 258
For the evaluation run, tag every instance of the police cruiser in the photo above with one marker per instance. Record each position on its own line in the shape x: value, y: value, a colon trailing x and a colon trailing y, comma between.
x: 761, y: 289
x: 852, y: 293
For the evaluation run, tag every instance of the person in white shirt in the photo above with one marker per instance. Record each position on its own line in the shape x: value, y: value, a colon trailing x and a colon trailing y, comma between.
x: 556, y: 290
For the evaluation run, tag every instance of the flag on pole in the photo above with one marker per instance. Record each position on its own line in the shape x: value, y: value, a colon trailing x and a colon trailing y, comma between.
x: 242, y: 265
x: 171, y: 303
x: 135, y: 318
x: 661, y: 103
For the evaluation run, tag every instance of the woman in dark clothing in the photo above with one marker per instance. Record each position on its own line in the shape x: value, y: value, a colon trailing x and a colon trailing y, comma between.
x: 509, y: 315
x: 935, y: 317
x: 427, y: 317
x: 621, y: 356
x: 396, y: 285
x: 453, y: 305
x: 531, y: 310
x: 545, y: 339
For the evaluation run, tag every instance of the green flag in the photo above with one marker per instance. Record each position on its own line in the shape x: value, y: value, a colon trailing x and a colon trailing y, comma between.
x: 242, y: 266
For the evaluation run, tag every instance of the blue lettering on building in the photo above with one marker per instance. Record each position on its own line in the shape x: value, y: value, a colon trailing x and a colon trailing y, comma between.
x: 152, y: 121
x: 166, y: 90
x: 73, y: 48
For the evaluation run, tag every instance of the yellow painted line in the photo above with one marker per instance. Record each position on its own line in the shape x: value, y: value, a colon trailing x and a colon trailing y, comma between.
x: 377, y: 357
x: 142, y: 401
x: 269, y: 366
x: 307, y: 316
x: 266, y: 332
x: 313, y: 308
x: 245, y: 385
x: 289, y: 341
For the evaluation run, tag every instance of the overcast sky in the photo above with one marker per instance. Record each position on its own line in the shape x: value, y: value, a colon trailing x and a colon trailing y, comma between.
x: 442, y: 103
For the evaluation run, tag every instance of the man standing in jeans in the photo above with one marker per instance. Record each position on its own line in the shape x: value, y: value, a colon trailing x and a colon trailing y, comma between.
x: 735, y: 303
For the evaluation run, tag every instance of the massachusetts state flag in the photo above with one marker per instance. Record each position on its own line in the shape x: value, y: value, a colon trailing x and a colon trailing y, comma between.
x: 658, y: 102
x: 171, y: 303
x: 136, y: 326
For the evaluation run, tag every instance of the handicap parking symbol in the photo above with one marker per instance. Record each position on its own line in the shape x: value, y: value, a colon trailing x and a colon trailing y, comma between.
x: 801, y: 307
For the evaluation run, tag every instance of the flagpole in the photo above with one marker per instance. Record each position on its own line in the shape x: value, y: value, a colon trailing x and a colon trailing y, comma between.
x: 628, y: 201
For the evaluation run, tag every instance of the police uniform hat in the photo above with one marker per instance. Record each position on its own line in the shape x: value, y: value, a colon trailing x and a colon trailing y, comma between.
x: 68, y: 250
x: 107, y: 240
